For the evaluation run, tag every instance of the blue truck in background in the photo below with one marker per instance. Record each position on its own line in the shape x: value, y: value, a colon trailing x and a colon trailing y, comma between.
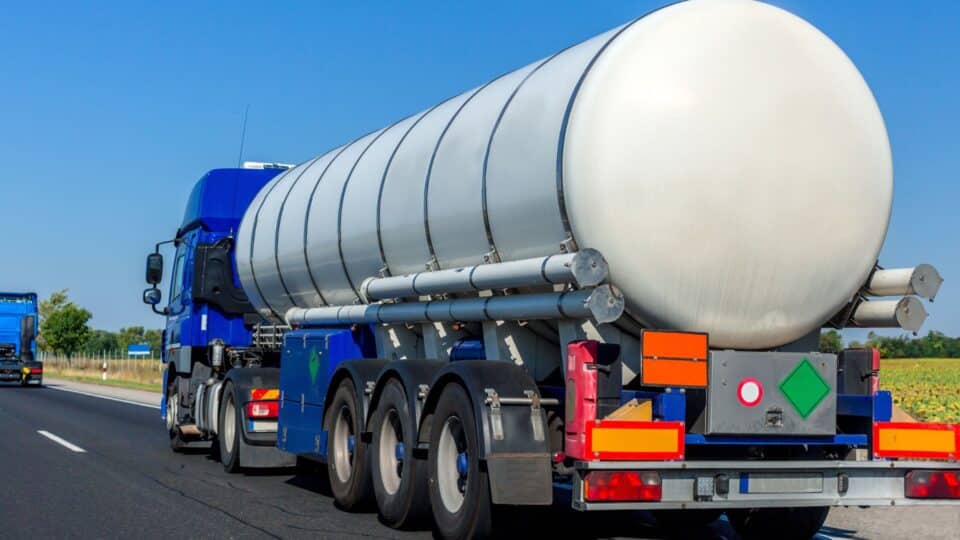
x: 18, y: 339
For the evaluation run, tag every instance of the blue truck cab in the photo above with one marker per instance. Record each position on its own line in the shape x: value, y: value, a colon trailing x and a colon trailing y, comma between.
x: 18, y: 339
x: 209, y: 346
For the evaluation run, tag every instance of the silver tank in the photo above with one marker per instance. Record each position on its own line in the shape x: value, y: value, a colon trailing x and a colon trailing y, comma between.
x: 726, y: 158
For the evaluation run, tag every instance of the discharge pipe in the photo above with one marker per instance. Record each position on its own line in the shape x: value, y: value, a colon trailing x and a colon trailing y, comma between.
x: 603, y: 304
x: 584, y: 268
x: 907, y: 313
x: 922, y: 280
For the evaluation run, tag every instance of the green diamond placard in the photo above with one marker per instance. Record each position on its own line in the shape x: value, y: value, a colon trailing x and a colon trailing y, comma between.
x: 804, y: 388
x: 313, y: 364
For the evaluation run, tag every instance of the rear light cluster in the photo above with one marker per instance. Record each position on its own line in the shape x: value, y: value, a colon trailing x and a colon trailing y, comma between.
x: 620, y: 486
x: 36, y: 371
x: 263, y: 409
x: 932, y: 485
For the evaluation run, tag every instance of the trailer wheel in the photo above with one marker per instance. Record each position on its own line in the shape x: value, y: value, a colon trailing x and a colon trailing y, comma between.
x: 230, y: 425
x: 177, y: 444
x: 459, y: 489
x: 399, y: 480
x: 781, y: 523
x: 347, y: 463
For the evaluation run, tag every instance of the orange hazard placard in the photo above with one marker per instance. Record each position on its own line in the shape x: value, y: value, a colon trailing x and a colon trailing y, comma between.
x: 676, y: 359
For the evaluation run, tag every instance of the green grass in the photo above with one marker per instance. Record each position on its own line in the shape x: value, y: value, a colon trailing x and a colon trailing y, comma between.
x: 109, y: 382
x: 927, y: 388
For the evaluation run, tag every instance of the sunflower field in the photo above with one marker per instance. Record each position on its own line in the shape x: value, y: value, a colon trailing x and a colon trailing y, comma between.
x: 926, y: 388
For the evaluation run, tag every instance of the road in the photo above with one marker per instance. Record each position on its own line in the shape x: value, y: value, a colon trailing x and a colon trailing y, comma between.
x: 120, y: 480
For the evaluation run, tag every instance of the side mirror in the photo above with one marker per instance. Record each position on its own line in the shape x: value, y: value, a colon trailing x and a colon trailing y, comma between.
x: 151, y: 296
x: 154, y: 271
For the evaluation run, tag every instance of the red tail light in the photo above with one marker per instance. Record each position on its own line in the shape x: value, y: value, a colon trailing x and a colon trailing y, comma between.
x: 875, y: 368
x: 263, y: 409
x: 36, y: 371
x: 932, y: 485
x: 605, y: 486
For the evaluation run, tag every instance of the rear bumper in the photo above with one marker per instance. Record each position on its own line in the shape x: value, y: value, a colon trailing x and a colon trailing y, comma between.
x: 10, y: 373
x: 755, y: 484
x: 32, y: 380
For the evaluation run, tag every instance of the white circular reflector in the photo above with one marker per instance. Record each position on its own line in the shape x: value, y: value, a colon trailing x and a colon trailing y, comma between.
x: 749, y: 392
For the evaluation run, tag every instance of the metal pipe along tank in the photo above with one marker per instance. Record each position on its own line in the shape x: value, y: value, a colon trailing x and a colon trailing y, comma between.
x: 907, y: 313
x: 692, y: 146
x: 922, y: 280
x: 603, y: 304
x: 583, y: 269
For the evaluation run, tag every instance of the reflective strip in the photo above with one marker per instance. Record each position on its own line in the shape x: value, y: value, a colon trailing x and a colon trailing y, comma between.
x: 901, y: 439
x: 264, y: 394
x: 625, y: 440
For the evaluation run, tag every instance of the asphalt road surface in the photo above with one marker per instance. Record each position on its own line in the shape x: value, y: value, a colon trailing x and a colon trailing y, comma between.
x: 77, y: 466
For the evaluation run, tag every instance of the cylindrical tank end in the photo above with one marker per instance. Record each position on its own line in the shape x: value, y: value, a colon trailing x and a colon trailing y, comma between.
x: 588, y: 268
x: 605, y: 304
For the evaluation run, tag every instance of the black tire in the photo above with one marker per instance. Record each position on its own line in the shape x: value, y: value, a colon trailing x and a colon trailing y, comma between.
x: 177, y: 444
x: 230, y: 424
x: 347, y: 463
x: 779, y: 523
x: 460, y: 502
x: 399, y: 485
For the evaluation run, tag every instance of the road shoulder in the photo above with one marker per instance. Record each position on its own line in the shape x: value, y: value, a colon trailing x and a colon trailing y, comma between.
x: 139, y: 396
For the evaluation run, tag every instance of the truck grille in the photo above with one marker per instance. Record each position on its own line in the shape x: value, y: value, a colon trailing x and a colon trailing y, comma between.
x: 8, y: 350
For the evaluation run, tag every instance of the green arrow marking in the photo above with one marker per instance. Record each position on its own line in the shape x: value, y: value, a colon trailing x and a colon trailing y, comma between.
x: 313, y: 365
x: 804, y: 388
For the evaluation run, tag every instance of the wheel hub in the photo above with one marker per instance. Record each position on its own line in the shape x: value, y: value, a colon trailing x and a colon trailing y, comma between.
x: 453, y: 462
x: 391, y: 452
x: 344, y: 444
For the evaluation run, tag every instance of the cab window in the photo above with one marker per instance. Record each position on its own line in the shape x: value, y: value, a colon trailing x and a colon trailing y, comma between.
x: 176, y: 285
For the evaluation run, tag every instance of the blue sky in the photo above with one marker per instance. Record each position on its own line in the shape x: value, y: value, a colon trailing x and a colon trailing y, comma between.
x: 110, y: 111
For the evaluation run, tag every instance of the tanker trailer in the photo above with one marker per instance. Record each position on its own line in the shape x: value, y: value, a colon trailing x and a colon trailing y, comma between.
x: 607, y: 270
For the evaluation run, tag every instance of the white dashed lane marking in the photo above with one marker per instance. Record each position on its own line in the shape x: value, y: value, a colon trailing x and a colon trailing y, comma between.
x: 62, y: 442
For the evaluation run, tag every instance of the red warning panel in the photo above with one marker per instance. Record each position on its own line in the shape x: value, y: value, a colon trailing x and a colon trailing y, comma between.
x: 581, y: 396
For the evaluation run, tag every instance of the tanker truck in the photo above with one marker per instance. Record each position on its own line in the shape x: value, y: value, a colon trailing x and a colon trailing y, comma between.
x: 598, y: 280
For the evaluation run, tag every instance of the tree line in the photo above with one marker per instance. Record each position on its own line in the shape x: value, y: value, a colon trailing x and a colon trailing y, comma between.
x: 64, y: 329
x: 933, y: 345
